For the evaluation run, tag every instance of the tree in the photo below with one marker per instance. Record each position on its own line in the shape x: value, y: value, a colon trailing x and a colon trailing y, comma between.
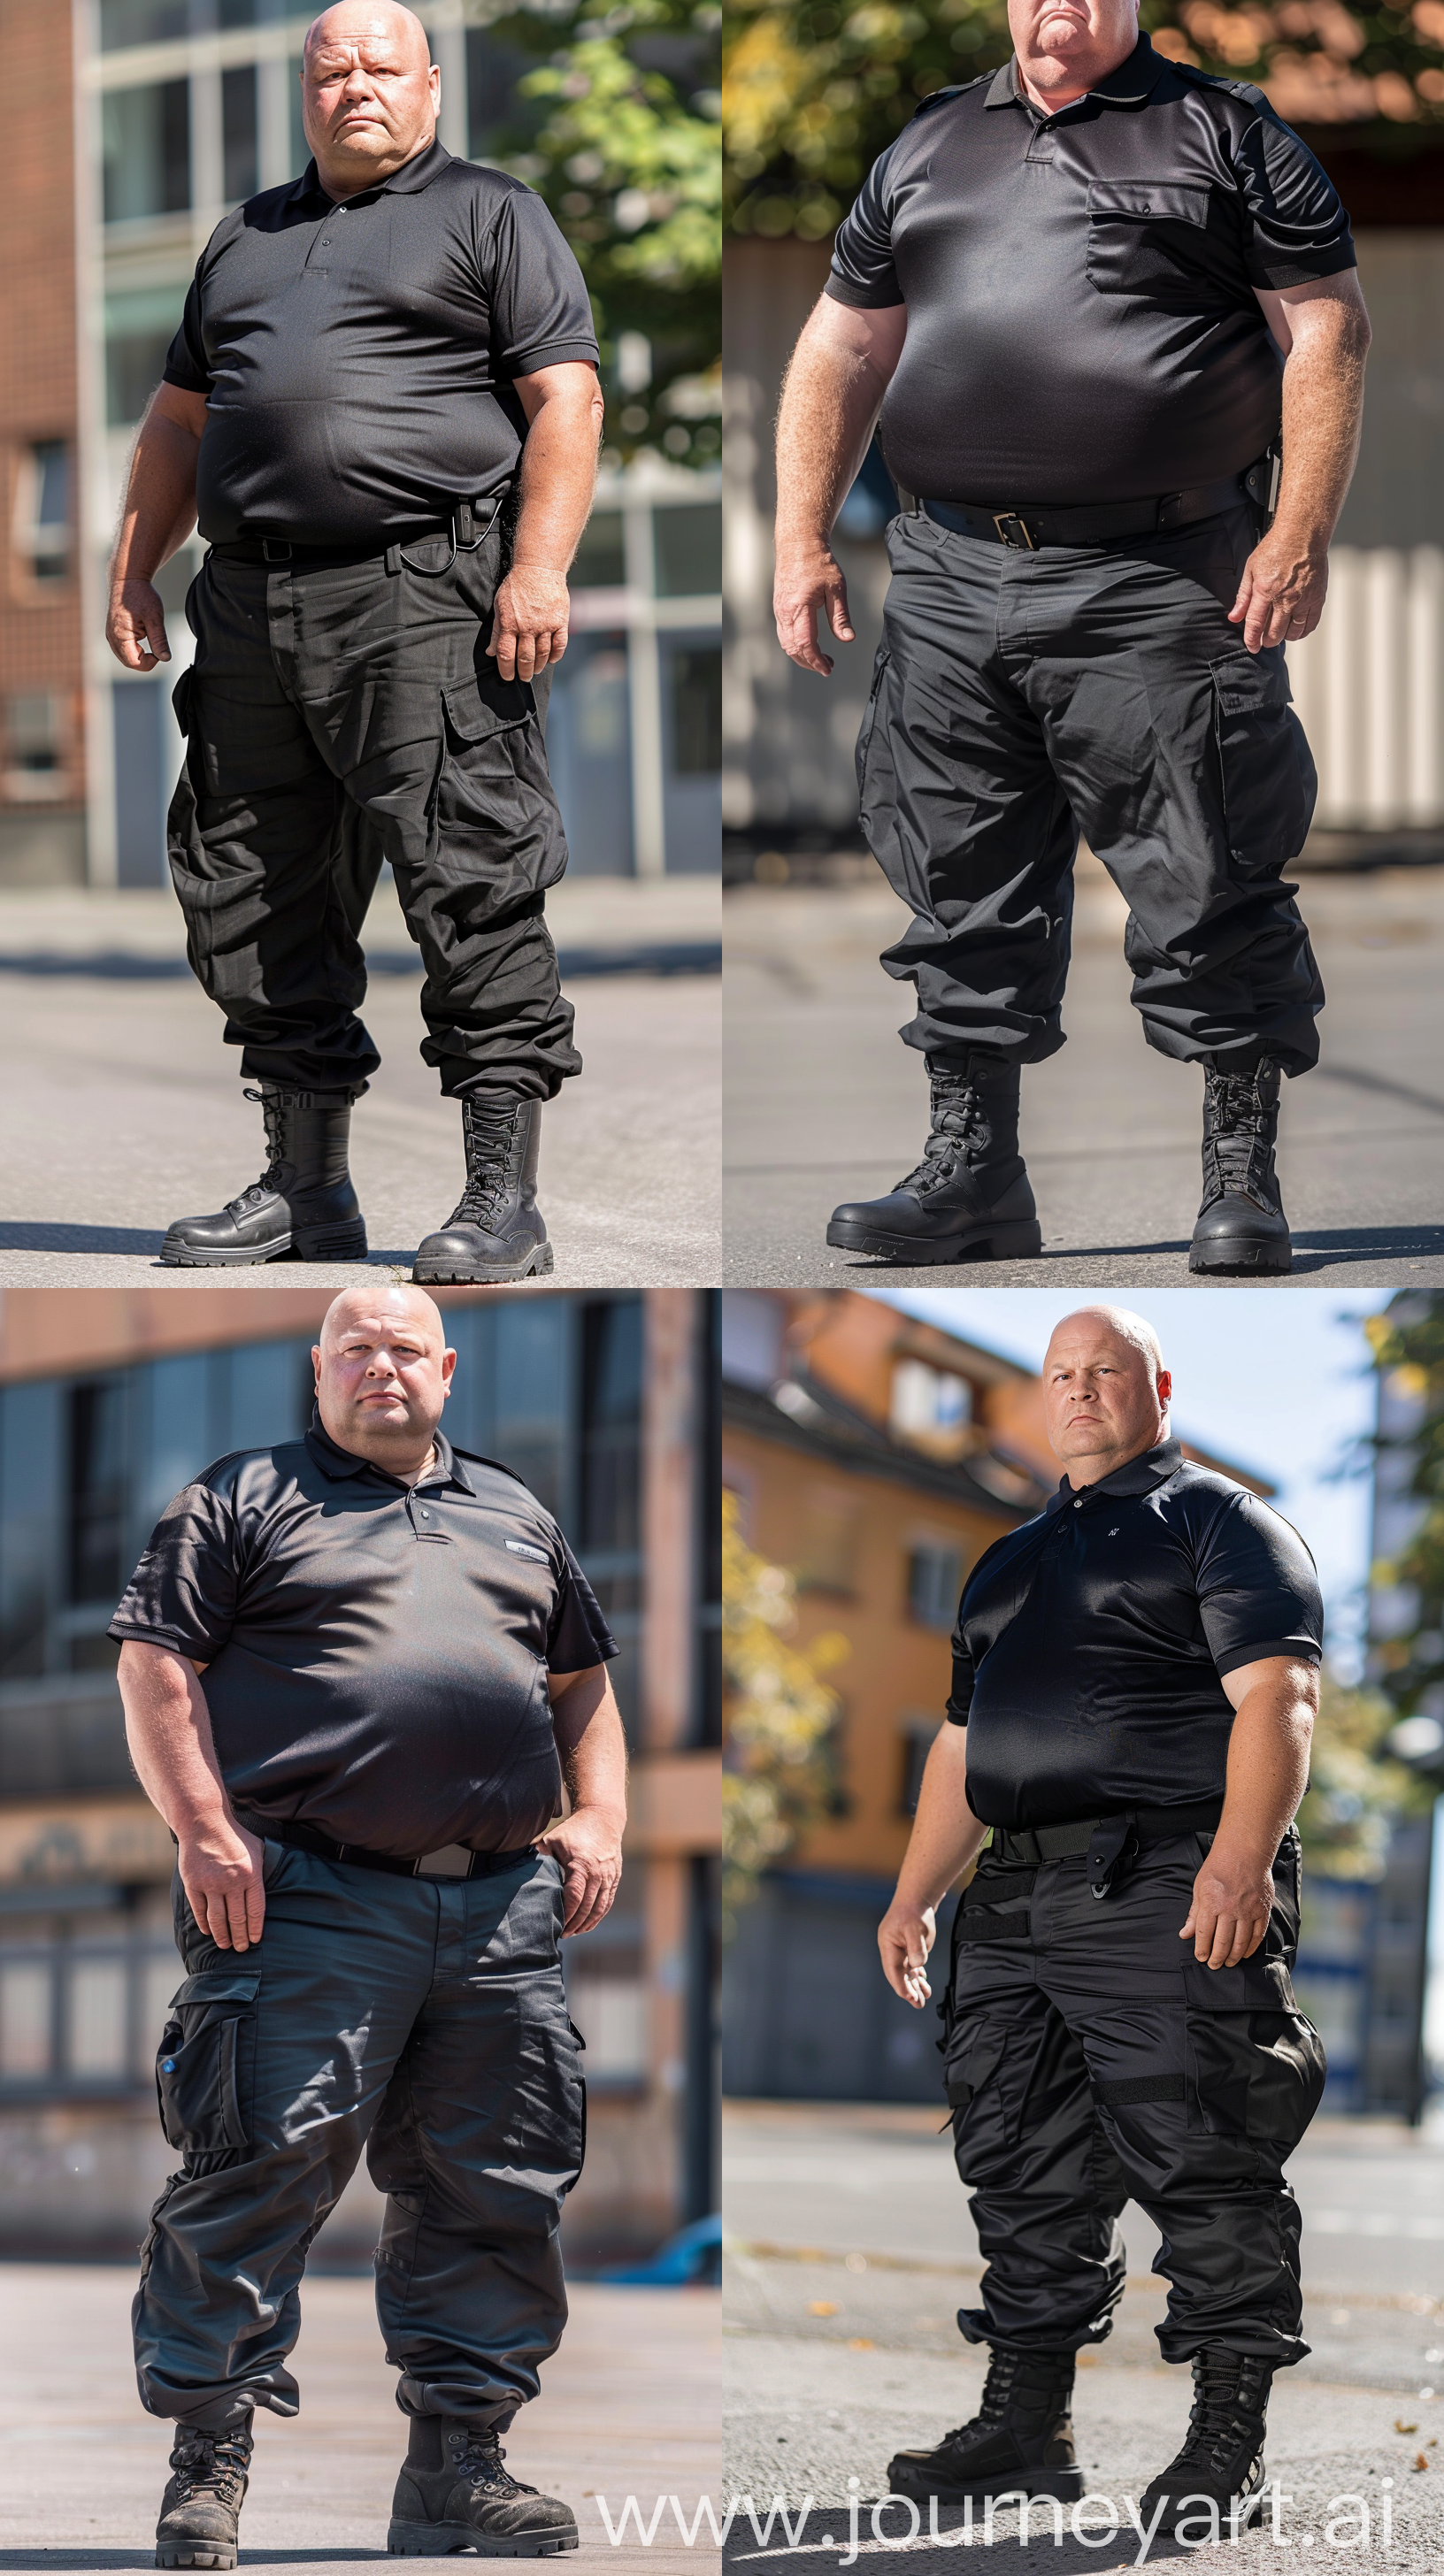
x: 618, y: 130
x: 779, y: 1776
x: 1407, y: 1345
x: 1355, y: 1790
x: 814, y: 92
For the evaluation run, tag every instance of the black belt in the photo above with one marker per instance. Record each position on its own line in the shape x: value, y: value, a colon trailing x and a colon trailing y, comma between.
x: 1107, y: 1840
x: 468, y: 526
x: 310, y: 1838
x: 1028, y: 529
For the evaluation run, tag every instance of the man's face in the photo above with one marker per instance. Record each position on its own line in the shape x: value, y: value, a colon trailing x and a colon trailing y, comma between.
x: 1101, y: 1397
x: 382, y: 1374
x: 1073, y: 30
x: 369, y: 92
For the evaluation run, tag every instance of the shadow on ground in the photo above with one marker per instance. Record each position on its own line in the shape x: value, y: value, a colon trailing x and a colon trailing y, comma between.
x: 16, y: 1235
x: 121, y: 966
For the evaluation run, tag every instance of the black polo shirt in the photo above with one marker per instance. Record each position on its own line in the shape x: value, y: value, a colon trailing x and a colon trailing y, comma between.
x: 1082, y: 324
x: 1090, y: 1644
x: 377, y: 1654
x: 357, y: 359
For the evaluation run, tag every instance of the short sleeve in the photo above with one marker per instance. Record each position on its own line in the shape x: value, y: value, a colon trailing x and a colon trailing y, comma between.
x: 960, y: 1697
x: 185, y: 363
x: 862, y: 263
x: 1295, y: 227
x: 183, y: 1592
x: 1258, y: 1591
x: 578, y: 1635
x: 537, y: 297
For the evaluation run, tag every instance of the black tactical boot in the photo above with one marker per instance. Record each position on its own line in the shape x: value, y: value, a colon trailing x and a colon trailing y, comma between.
x: 1021, y: 2436
x: 1241, y: 1224
x: 303, y: 1205
x: 455, y: 2493
x: 969, y: 1196
x: 496, y: 1231
x: 200, y: 2511
x: 1223, y: 2452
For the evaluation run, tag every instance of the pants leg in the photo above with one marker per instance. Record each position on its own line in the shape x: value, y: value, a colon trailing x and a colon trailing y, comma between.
x: 444, y: 763
x: 962, y: 810
x: 1188, y: 770
x: 478, y: 2142
x: 271, y: 2071
x: 268, y: 878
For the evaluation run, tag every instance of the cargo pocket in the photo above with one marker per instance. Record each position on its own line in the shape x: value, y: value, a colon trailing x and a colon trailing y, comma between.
x: 547, y: 2127
x: 1148, y: 237
x: 1266, y: 770
x: 205, y: 2065
x: 493, y: 818
x: 1254, y: 2065
x: 869, y: 719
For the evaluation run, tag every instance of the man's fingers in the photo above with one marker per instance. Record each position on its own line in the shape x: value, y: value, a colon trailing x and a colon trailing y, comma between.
x: 255, y: 1909
x: 1245, y: 593
x: 837, y: 616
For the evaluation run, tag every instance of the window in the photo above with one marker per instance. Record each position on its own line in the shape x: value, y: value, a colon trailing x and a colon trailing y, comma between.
x: 146, y: 151
x: 929, y: 1404
x: 600, y: 561
x: 241, y: 167
x: 140, y: 325
x: 697, y: 711
x: 688, y: 544
x: 140, y: 22
x: 97, y: 1491
x: 611, y: 1461
x: 42, y: 510
x: 25, y: 2017
x: 34, y: 748
x: 917, y: 1744
x: 827, y: 1558
x: 97, y: 2017
x: 935, y: 1582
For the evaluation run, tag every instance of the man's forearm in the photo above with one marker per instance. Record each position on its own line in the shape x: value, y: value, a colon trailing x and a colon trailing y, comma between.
x: 946, y: 1834
x: 1268, y: 1768
x: 160, y: 501
x: 558, y: 478
x: 831, y: 398
x: 1323, y: 409
x: 168, y: 1730
x: 592, y: 1746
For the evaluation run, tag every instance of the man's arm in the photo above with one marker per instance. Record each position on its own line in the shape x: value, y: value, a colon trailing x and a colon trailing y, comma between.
x: 1268, y: 1772
x: 159, y: 514
x: 1323, y: 331
x: 946, y: 1835
x: 841, y: 368
x: 168, y: 1729
x: 588, y: 1843
x: 565, y: 411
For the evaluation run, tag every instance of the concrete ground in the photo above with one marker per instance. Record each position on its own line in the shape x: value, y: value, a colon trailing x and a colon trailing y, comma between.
x: 851, y: 2248
x: 120, y: 1108
x: 824, y: 1103
x: 629, y: 2406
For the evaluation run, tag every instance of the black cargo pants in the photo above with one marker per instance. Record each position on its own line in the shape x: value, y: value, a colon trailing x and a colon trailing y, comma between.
x: 1020, y: 697
x: 1090, y: 2059
x: 335, y: 717
x: 424, y: 2019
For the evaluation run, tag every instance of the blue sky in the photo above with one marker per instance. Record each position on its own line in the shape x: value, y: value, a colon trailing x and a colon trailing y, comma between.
x: 1273, y: 1379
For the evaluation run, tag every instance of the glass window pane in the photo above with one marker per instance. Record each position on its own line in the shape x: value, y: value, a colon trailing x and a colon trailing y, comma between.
x: 145, y: 142
x: 611, y: 1425
x: 176, y: 1433
x: 25, y: 2018
x: 159, y: 1978
x: 239, y: 133
x: 140, y: 22
x: 140, y: 325
x: 600, y: 564
x: 270, y: 1398
x: 611, y: 2014
x: 30, y: 1453
x: 300, y: 148
x: 531, y: 1396
x: 688, y: 544
x: 97, y: 1490
x: 97, y: 2017
x: 696, y: 673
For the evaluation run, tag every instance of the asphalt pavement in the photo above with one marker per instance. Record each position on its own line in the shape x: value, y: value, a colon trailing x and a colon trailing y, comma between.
x: 629, y: 2407
x: 824, y: 1103
x: 850, y: 2249
x: 120, y: 1108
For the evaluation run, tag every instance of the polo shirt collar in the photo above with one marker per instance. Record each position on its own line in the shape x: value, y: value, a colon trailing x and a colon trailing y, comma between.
x: 1128, y: 84
x: 341, y: 1463
x: 1137, y: 1476
x: 408, y: 181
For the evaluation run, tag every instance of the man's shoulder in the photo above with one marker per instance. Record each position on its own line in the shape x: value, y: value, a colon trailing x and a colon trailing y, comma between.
x: 940, y: 98
x: 482, y: 185
x: 1194, y: 77
x: 246, y: 1473
x: 264, y: 213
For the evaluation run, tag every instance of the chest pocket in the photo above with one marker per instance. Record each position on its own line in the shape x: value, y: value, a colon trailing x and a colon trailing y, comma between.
x: 1148, y: 237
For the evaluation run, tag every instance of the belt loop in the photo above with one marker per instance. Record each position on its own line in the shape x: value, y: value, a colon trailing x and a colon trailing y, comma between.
x: 393, y: 560
x: 275, y: 550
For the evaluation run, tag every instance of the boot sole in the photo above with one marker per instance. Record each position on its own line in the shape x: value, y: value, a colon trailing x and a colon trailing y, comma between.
x: 195, y: 2554
x: 1019, y: 1239
x: 440, y: 2539
x: 1066, y: 2484
x: 483, y: 1273
x: 303, y: 1243
x: 1240, y: 1254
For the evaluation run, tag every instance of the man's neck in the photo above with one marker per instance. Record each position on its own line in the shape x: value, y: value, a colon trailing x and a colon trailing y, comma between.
x: 1076, y: 83
x: 1080, y: 1473
x: 413, y: 1472
x: 340, y: 189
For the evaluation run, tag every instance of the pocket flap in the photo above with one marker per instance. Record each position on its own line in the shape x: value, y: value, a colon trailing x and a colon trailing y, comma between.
x: 219, y: 1986
x: 1260, y: 685
x: 974, y: 2064
x: 1141, y: 199
x: 486, y: 703
x: 180, y: 698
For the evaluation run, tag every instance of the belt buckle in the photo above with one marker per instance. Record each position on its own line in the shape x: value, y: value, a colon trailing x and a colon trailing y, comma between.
x: 1007, y: 522
x: 282, y: 552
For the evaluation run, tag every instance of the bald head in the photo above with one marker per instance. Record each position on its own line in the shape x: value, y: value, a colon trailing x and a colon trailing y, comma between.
x: 1105, y: 1391
x: 383, y: 1373
x: 370, y: 93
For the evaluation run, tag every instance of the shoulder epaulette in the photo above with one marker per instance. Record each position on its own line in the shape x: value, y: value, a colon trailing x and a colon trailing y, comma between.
x: 474, y: 1458
x: 1251, y: 96
x: 935, y: 98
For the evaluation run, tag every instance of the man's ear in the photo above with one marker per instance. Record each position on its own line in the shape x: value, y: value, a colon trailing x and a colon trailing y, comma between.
x: 1165, y: 1386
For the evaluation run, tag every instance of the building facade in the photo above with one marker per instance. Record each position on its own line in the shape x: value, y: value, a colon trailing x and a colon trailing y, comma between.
x: 139, y: 123
x: 605, y: 1405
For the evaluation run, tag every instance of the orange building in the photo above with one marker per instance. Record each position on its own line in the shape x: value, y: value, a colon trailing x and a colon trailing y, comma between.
x: 875, y: 1456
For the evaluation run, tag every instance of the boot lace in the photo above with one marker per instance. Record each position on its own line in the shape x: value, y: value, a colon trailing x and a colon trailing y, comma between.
x: 480, y: 2460
x: 271, y: 1178
x: 1003, y: 2369
x: 1239, y: 1139
x: 490, y: 1126
x: 211, y: 2464
x: 1229, y: 2393
x: 957, y: 1114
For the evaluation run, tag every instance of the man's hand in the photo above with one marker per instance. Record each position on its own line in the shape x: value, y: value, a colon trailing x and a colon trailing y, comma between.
x: 1233, y: 1898
x: 220, y: 1867
x: 905, y: 1936
x: 809, y: 594
x: 135, y: 627
x: 589, y: 1848
x: 529, y: 621
x: 1281, y: 595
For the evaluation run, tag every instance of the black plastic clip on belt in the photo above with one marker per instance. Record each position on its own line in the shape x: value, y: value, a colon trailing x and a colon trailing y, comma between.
x: 464, y: 539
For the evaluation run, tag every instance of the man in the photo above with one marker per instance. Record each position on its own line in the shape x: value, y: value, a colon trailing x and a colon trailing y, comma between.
x: 350, y: 1667
x: 380, y: 368
x: 1135, y: 1678
x: 1086, y: 294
